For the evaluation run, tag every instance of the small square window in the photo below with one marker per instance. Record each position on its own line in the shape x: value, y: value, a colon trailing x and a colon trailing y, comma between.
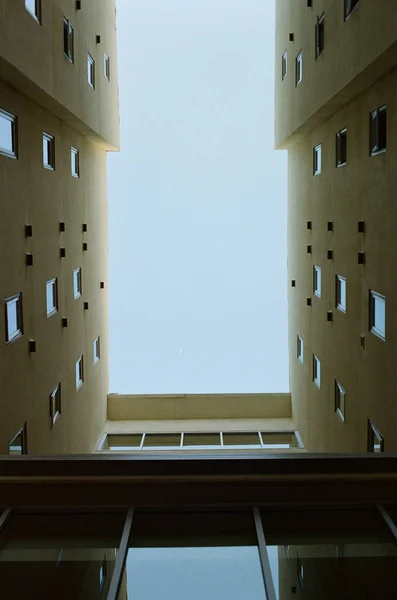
x: 75, y: 162
x: 317, y: 160
x: 8, y: 134
x: 299, y: 350
x: 377, y: 314
x: 55, y: 404
x: 13, y: 315
x: 48, y: 151
x: 97, y: 350
x: 341, y: 148
x: 34, y: 7
x: 77, y: 283
x: 316, y: 371
x: 340, y: 401
x: 79, y: 373
x: 68, y: 40
x: 350, y: 5
x: 341, y: 293
x: 18, y: 443
x: 376, y: 442
x: 102, y: 575
x: 377, y: 131
x: 284, y: 60
x: 106, y: 66
x: 319, y: 35
x: 317, y: 281
x: 299, y: 68
x: 91, y: 70
x: 51, y: 297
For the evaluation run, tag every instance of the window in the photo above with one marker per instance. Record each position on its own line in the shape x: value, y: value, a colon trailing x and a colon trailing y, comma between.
x: 106, y: 66
x: 55, y: 404
x: 79, y: 373
x: 91, y: 70
x: 316, y: 371
x: 317, y: 160
x: 77, y: 283
x: 102, y: 575
x: 75, y: 162
x: 340, y: 401
x: 319, y: 35
x: 8, y: 134
x: 34, y: 7
x: 376, y: 442
x: 18, y: 443
x: 68, y: 40
x: 48, y: 151
x: 298, y: 68
x: 341, y: 293
x: 97, y: 352
x: 377, y: 314
x: 301, y: 572
x: 350, y: 5
x: 317, y: 281
x: 51, y: 297
x: 377, y: 130
x: 284, y: 65
x: 299, y: 350
x: 341, y: 147
x: 13, y: 314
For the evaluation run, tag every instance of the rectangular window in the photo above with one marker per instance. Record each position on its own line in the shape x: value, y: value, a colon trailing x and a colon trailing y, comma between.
x: 299, y: 350
x: 79, y: 373
x: 13, y: 315
x: 75, y: 162
x: 106, y: 66
x: 55, y: 404
x: 377, y: 130
x: 316, y: 371
x: 68, y: 40
x: 18, y: 444
x: 350, y: 5
x: 34, y: 7
x: 48, y: 151
x: 8, y: 134
x: 317, y: 160
x: 317, y: 281
x: 299, y: 68
x: 340, y: 401
x: 97, y: 351
x: 102, y: 575
x: 51, y: 297
x: 301, y: 572
x: 91, y: 70
x: 341, y: 293
x: 341, y: 148
x: 375, y: 439
x: 377, y: 314
x: 77, y: 283
x: 319, y: 35
x: 284, y: 59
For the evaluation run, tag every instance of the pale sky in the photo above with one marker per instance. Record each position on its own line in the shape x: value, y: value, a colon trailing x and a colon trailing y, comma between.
x: 197, y: 202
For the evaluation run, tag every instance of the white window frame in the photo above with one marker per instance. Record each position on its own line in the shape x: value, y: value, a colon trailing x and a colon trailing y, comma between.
x: 317, y: 281
x: 339, y: 159
x: 284, y: 65
x: 106, y: 66
x: 97, y: 349
x: 373, y: 298
x: 16, y: 301
x: 79, y: 372
x: 55, y: 404
x: 339, y: 283
x: 299, y: 348
x: 68, y: 40
x: 340, y: 401
x: 77, y: 278
x: 12, y: 119
x: 91, y: 70
x: 49, y: 140
x: 36, y: 14
x: 317, y: 159
x: 298, y: 68
x: 75, y: 162
x: 316, y: 371
x: 53, y: 285
x: 374, y: 131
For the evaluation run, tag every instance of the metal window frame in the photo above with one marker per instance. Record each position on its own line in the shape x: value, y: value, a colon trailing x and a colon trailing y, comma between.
x: 316, y: 287
x: 91, y: 70
x: 55, y: 404
x: 338, y: 296
x: 317, y: 150
x: 24, y: 445
x: 316, y: 379
x: 298, y: 68
x: 37, y: 11
x: 374, y: 433
x: 80, y: 362
x: 50, y: 139
x: 299, y: 348
x: 339, y: 136
x: 17, y: 299
x: 79, y: 280
x: 284, y: 65
x: 348, y: 9
x: 68, y: 40
x: 339, y: 391
x: 374, y: 131
x: 75, y: 161
x: 320, y: 22
x: 13, y: 119
x: 106, y: 66
x: 373, y: 329
x: 97, y: 349
x: 54, y: 286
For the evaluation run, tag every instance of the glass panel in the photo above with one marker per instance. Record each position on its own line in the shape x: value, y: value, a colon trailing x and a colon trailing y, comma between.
x: 200, y: 441
x: 123, y: 442
x: 59, y: 556
x: 6, y: 137
x: 279, y: 440
x: 12, y: 317
x: 241, y: 440
x: 379, y: 314
x: 16, y: 446
x: 156, y: 440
